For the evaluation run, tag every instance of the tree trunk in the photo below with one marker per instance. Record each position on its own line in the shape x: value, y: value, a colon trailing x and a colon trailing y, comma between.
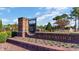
x: 62, y: 28
x: 75, y: 25
x: 78, y: 23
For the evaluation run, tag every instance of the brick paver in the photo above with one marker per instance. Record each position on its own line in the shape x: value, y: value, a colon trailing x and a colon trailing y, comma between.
x: 38, y: 46
x: 10, y: 47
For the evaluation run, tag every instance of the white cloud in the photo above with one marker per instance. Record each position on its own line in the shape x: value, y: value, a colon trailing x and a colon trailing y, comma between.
x: 53, y: 8
x: 44, y: 19
x: 44, y: 16
x: 50, y: 12
x: 47, y: 8
x: 15, y: 21
x: 2, y: 8
x: 5, y: 21
x: 37, y: 14
x: 9, y: 21
x: 60, y: 8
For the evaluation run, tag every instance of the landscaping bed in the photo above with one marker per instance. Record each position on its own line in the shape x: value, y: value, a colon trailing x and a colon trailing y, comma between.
x: 49, y: 43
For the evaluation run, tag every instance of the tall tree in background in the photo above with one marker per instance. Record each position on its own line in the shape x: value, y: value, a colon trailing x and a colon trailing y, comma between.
x: 49, y: 26
x: 75, y: 13
x: 14, y: 27
x: 0, y: 25
x: 57, y: 18
x: 62, y: 20
x: 62, y: 23
x: 7, y: 27
x: 65, y: 16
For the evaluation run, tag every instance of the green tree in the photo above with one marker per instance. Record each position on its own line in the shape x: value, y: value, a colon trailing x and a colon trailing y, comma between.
x: 49, y: 26
x: 65, y: 16
x: 7, y: 27
x: 41, y: 28
x: 62, y: 23
x: 57, y: 18
x: 61, y: 20
x: 0, y: 25
x: 14, y: 27
x: 75, y: 13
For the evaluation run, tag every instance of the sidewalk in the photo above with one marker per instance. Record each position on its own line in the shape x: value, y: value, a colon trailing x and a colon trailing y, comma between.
x: 10, y: 47
x: 38, y: 47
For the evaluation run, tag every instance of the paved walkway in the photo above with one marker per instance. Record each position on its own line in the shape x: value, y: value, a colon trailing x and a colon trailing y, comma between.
x: 10, y: 47
x: 38, y: 47
x: 18, y: 44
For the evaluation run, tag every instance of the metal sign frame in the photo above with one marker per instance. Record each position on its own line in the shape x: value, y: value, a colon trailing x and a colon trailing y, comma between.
x: 32, y: 25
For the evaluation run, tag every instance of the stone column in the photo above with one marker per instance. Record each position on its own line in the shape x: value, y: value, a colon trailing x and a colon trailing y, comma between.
x: 22, y: 26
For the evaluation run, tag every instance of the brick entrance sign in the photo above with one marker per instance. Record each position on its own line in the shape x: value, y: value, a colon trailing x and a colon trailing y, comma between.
x: 23, y: 26
x: 26, y: 26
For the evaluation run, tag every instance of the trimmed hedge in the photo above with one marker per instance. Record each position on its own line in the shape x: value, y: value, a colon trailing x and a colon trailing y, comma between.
x: 14, y: 34
x: 4, y: 36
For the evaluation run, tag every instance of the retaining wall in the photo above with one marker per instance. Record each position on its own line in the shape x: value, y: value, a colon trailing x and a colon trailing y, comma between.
x: 64, y: 37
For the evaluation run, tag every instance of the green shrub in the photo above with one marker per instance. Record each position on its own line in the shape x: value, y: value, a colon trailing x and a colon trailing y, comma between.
x: 14, y: 34
x: 4, y: 36
x: 9, y: 34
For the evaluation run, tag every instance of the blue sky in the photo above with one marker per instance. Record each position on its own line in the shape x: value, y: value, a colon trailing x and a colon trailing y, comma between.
x: 9, y: 15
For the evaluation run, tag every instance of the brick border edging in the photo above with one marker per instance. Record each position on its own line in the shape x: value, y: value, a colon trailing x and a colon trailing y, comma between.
x: 31, y: 46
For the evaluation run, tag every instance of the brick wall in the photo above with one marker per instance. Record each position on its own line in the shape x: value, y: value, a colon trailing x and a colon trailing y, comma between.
x: 22, y: 26
x: 65, y: 37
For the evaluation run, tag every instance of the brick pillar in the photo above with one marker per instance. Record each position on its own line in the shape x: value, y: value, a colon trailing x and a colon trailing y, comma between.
x: 22, y: 26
